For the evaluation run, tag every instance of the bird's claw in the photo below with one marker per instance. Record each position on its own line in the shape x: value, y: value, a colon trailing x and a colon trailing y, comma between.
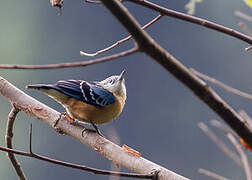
x: 91, y: 130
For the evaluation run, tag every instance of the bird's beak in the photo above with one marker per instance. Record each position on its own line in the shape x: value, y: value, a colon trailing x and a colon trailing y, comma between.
x: 121, y: 77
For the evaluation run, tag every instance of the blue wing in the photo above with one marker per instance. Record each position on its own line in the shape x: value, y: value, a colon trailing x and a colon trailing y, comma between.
x: 88, y: 92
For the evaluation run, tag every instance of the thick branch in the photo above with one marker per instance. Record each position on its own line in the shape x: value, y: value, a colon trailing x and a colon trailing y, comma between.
x: 8, y: 139
x: 182, y: 73
x: 101, y: 145
x: 194, y: 20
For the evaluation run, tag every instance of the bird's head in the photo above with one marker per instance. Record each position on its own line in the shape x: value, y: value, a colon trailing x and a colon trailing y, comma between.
x: 115, y: 84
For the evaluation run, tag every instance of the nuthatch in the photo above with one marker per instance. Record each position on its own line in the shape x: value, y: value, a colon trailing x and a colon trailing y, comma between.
x: 88, y: 101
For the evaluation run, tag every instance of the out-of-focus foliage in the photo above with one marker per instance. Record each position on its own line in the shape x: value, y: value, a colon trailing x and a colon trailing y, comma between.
x: 248, y: 2
x: 191, y: 6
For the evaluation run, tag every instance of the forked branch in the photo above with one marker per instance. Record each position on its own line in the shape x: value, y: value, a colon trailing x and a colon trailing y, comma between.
x: 120, y: 41
x: 74, y: 166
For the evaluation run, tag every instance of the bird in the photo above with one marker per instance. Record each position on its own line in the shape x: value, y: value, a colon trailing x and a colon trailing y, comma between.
x: 92, y: 102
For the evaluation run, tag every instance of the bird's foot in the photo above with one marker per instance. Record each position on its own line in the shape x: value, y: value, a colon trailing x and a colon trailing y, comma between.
x: 96, y: 130
x: 90, y: 130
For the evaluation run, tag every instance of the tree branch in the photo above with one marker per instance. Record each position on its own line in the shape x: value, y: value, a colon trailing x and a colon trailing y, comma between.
x: 182, y: 73
x: 120, y: 41
x: 244, y: 159
x: 8, y: 140
x: 221, y: 84
x: 101, y: 145
x: 211, y: 174
x: 224, y: 148
x: 71, y: 64
x: 194, y: 20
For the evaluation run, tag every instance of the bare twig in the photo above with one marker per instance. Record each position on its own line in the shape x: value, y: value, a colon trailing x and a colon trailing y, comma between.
x: 191, y: 6
x: 101, y: 145
x: 75, y: 166
x: 219, y: 143
x: 248, y: 48
x: 120, y: 41
x: 81, y: 167
x: 247, y: 31
x: 71, y: 64
x: 97, y: 1
x: 246, y: 118
x: 243, y: 156
x: 194, y: 20
x: 211, y: 174
x: 243, y: 16
x: 222, y: 85
x: 245, y: 28
x: 182, y: 73
x: 8, y: 139
x: 93, y: 2
x: 221, y: 126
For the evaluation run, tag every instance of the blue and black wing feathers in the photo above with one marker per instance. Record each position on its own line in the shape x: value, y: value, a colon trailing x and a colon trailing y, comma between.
x: 89, y: 92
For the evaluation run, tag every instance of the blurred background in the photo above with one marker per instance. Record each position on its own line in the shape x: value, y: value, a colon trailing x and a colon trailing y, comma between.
x: 161, y: 115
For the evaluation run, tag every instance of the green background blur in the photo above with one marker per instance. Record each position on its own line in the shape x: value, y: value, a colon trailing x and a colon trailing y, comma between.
x: 160, y: 117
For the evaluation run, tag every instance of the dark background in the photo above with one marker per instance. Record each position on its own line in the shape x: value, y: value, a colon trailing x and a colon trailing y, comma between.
x: 161, y: 115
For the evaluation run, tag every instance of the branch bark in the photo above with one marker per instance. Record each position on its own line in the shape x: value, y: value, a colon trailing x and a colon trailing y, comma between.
x: 101, y: 145
x: 8, y: 140
x: 178, y: 70
x: 70, y: 64
x: 194, y: 20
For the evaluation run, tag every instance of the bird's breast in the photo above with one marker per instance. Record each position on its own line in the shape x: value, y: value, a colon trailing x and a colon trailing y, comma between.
x: 99, y: 115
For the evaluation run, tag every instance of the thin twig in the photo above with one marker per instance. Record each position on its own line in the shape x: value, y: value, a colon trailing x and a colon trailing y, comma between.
x: 247, y: 119
x: 8, y: 140
x: 248, y: 48
x: 93, y: 2
x: 211, y: 174
x: 247, y: 31
x: 226, y: 129
x: 97, y: 1
x: 75, y: 166
x: 71, y: 64
x: 71, y: 165
x: 243, y: 156
x: 120, y: 41
x: 219, y: 143
x: 221, y: 84
x: 194, y: 20
x: 221, y: 126
x: 243, y: 16
x: 245, y: 28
